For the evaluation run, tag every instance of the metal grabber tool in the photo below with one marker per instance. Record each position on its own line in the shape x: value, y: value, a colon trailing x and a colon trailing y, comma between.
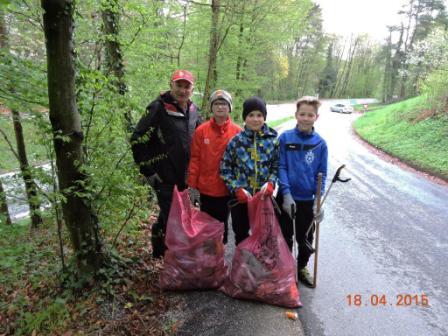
x: 295, y: 245
x: 316, y: 222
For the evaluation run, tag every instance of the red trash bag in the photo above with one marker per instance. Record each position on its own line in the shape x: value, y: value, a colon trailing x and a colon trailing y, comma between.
x: 194, y: 258
x: 263, y: 268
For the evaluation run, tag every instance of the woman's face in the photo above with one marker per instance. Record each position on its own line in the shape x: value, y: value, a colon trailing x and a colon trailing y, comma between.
x: 254, y: 120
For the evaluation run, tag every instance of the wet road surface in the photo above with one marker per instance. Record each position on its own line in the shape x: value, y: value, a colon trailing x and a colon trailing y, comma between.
x: 384, y: 236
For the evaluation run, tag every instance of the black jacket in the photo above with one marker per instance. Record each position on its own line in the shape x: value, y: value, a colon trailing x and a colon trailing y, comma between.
x: 162, y: 138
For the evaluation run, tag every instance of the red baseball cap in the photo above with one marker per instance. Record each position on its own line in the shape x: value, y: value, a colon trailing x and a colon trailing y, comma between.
x: 182, y: 75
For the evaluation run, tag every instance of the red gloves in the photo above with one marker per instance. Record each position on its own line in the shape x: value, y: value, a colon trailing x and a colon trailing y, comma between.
x: 267, y: 189
x: 242, y: 195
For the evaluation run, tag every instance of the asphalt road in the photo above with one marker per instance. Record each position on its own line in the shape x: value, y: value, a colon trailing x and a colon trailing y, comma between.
x: 384, y: 238
x: 383, y: 253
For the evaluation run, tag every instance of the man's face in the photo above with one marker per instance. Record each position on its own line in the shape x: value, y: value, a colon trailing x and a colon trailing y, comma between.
x: 306, y: 115
x: 220, y: 109
x: 181, y: 90
x: 254, y: 120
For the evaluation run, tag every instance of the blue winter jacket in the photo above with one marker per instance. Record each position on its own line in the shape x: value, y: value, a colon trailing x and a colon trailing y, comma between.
x: 250, y: 160
x: 302, y: 157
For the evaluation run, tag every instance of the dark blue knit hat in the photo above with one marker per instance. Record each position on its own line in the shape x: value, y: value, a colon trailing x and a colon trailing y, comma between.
x: 254, y: 104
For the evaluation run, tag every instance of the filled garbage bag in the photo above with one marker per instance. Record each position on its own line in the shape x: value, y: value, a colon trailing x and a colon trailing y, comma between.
x: 194, y: 258
x: 263, y: 268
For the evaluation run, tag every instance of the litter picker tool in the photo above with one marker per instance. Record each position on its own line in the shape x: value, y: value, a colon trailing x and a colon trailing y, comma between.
x: 316, y: 221
x: 336, y: 178
x: 295, y: 246
x: 316, y: 224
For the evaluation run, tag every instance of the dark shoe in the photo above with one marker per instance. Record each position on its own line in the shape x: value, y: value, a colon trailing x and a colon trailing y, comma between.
x: 305, y: 277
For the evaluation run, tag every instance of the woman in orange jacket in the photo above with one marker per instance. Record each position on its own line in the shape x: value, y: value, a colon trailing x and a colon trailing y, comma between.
x: 209, y: 143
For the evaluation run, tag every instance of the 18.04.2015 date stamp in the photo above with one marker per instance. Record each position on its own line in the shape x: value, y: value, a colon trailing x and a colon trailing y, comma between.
x: 380, y: 300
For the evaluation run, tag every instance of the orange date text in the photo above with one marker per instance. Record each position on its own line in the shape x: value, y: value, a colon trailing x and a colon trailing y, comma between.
x: 382, y: 300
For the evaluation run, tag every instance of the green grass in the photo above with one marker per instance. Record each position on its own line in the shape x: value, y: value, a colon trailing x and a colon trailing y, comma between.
x: 371, y: 107
x: 35, y: 150
x: 402, y: 130
x: 277, y: 122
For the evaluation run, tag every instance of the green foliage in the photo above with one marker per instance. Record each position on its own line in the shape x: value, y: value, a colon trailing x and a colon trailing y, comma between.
x: 403, y: 130
x: 435, y: 87
x: 35, y: 149
x: 48, y: 317
x: 28, y: 263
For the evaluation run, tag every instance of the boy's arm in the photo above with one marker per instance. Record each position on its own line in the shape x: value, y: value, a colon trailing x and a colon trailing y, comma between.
x: 227, y: 167
x: 282, y: 168
x: 195, y: 160
x: 273, y: 177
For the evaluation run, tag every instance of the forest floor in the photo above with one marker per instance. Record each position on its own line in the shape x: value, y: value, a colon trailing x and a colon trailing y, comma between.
x: 37, y: 299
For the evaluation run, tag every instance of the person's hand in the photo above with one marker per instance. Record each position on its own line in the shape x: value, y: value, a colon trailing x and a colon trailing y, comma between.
x: 267, y: 189
x: 195, y: 196
x: 242, y: 195
x: 153, y: 180
x: 287, y: 202
x: 319, y: 216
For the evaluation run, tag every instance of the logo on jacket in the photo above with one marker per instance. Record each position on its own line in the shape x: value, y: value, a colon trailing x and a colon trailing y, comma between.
x: 206, y: 141
x: 309, y: 157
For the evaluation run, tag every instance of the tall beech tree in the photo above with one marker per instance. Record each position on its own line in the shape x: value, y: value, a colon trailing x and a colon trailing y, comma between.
x: 68, y: 135
x: 21, y: 155
x: 212, y: 53
x: 30, y: 184
x: 114, y: 55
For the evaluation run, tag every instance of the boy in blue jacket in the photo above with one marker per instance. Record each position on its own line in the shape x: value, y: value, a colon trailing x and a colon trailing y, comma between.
x: 303, y: 154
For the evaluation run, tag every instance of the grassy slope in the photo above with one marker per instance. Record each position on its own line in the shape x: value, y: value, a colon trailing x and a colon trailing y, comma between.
x: 400, y: 129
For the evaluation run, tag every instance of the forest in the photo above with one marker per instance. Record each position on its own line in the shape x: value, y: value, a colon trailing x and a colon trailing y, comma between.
x: 75, y: 77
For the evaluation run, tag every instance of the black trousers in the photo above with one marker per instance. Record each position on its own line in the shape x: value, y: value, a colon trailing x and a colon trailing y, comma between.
x: 164, y: 193
x: 240, y: 221
x: 217, y: 208
x: 304, y: 218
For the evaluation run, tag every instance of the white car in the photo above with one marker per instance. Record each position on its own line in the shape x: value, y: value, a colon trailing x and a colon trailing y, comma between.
x: 341, y: 108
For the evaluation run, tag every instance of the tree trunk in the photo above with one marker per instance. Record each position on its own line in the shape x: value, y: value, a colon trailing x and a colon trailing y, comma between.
x: 4, y: 213
x: 3, y: 43
x: 349, y: 68
x: 68, y: 136
x: 114, y: 56
x: 30, y: 184
x: 212, y: 55
x: 3, y: 31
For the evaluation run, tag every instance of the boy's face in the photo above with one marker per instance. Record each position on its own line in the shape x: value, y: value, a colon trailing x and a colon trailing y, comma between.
x: 254, y: 120
x: 220, y: 109
x: 306, y: 115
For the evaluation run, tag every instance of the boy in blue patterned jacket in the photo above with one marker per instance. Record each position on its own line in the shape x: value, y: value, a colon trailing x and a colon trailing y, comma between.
x: 303, y: 155
x: 250, y: 163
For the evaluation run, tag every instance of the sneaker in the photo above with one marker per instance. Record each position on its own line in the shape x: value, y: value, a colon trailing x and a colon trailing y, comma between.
x: 305, y: 277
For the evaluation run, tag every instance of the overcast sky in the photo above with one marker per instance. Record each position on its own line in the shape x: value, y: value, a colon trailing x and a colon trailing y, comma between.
x: 344, y: 17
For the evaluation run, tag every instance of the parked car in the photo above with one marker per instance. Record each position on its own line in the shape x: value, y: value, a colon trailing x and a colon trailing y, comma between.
x: 341, y: 108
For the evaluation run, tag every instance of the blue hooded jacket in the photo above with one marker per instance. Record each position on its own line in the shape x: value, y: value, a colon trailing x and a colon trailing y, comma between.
x: 302, y: 157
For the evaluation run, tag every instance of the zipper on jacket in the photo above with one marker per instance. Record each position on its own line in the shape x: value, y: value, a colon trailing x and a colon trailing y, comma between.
x: 254, y: 155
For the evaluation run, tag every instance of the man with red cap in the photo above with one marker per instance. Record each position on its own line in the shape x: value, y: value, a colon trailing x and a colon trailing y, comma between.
x: 161, y: 146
